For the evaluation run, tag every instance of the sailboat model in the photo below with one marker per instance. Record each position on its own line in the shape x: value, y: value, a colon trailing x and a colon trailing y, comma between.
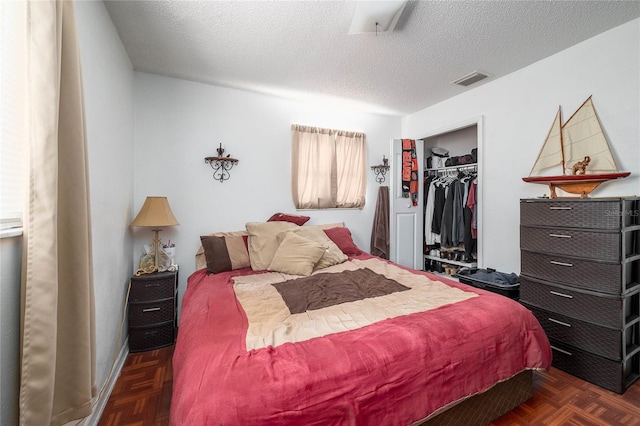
x: 580, y: 149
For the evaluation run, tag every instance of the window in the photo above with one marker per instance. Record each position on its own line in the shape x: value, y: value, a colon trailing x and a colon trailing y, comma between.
x: 12, y: 86
x: 328, y: 168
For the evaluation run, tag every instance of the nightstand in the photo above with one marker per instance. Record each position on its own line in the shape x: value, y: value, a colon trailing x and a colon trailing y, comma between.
x: 152, y: 311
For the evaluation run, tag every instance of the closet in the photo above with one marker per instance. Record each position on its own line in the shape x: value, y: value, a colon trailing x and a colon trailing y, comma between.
x: 450, y: 201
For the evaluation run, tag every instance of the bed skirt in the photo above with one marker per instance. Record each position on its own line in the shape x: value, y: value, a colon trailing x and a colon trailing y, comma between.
x: 483, y: 408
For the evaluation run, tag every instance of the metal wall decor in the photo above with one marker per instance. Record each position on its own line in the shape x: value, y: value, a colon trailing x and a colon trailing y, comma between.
x: 221, y: 164
x: 381, y: 170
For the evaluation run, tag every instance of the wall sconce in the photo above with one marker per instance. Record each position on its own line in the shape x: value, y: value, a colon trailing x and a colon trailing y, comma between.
x: 221, y: 165
x: 381, y: 170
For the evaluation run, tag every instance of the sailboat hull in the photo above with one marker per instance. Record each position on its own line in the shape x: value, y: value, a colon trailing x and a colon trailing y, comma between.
x: 581, y: 185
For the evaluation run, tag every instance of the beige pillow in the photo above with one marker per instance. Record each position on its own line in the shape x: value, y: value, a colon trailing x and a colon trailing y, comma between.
x: 263, y: 242
x: 296, y: 255
x: 332, y: 256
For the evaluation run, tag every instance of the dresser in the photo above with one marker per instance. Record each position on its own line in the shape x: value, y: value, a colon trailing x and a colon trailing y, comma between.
x: 152, y: 311
x: 580, y: 276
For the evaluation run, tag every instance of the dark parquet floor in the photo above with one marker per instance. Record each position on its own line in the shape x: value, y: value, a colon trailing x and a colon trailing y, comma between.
x: 142, y: 396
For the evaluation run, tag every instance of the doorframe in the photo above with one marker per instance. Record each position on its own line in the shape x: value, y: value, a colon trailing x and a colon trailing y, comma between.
x: 478, y: 121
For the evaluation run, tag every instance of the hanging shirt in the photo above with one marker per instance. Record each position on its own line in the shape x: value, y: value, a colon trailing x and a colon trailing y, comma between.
x: 457, y: 225
x: 447, y: 218
x: 471, y: 203
x: 430, y: 237
x: 438, y: 207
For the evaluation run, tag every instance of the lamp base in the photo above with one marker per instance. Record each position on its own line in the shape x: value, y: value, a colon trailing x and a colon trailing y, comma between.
x: 150, y: 262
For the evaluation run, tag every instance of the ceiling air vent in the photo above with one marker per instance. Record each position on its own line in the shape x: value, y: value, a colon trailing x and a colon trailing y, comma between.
x: 471, y: 78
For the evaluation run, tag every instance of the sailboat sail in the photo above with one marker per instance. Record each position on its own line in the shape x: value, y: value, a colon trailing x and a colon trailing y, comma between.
x: 551, y: 152
x: 579, y: 148
x: 583, y: 136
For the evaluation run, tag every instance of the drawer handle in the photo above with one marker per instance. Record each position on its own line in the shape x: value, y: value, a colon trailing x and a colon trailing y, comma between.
x: 152, y: 285
x: 568, y: 296
x: 561, y: 351
x: 553, y: 262
x: 560, y: 236
x: 559, y: 322
x: 150, y: 309
x: 560, y: 208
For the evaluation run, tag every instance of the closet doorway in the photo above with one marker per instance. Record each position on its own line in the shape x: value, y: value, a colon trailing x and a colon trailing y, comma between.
x: 458, y: 140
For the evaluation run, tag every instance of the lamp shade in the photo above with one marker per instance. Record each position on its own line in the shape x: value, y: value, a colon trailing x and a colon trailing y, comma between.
x: 155, y: 212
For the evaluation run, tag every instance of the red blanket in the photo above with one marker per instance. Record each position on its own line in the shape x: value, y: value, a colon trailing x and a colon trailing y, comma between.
x: 395, y: 371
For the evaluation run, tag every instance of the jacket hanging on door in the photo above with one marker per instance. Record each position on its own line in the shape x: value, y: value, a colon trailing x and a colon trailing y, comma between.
x: 409, y: 171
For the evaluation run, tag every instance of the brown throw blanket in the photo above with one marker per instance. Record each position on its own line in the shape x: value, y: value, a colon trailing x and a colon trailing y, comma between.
x: 380, y: 231
x: 323, y: 290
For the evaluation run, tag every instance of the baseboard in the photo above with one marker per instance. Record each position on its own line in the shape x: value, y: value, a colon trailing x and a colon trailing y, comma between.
x: 99, y: 404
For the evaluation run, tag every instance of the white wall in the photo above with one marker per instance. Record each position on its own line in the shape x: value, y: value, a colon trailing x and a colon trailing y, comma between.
x: 518, y: 110
x: 178, y: 123
x: 108, y: 92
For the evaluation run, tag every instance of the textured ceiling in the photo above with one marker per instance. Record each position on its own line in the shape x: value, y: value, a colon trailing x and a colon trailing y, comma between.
x: 301, y: 49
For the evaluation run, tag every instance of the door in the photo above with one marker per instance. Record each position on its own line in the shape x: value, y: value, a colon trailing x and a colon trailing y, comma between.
x: 406, y: 218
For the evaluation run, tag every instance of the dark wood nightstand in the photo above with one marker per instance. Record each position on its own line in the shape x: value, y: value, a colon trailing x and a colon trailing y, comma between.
x: 152, y: 311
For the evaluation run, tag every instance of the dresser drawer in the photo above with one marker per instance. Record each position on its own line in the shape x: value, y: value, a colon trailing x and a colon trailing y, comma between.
x: 147, y: 338
x: 590, y: 275
x: 603, y: 341
x: 591, y: 213
x: 153, y: 287
x: 616, y: 376
x: 151, y: 313
x: 594, y: 308
x: 603, y: 246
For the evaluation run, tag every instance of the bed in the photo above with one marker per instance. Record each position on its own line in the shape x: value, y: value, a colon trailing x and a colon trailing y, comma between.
x: 360, y: 341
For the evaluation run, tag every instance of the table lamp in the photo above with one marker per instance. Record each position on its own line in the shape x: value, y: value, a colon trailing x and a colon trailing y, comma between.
x: 155, y: 213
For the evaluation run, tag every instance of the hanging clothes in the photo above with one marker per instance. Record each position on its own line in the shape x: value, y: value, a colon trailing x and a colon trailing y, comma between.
x: 457, y: 226
x: 471, y: 203
x: 450, y: 211
x: 446, y: 230
x: 438, y: 207
x: 430, y: 237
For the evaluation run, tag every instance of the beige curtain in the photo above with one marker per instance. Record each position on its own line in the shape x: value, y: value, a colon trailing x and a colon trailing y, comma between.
x: 351, y: 153
x: 58, y: 341
x: 328, y: 168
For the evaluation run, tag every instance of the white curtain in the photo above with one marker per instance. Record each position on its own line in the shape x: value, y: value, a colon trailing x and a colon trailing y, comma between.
x: 58, y: 340
x: 328, y: 168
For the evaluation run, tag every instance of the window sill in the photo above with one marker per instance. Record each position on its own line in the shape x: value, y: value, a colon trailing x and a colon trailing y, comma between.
x: 10, y: 233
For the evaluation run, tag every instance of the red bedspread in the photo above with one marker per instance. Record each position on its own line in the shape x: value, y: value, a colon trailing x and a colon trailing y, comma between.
x: 393, y: 372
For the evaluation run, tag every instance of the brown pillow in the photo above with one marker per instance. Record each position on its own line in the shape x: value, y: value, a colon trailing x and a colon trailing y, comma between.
x: 225, y: 253
x: 263, y: 242
x: 284, y: 217
x: 296, y: 255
